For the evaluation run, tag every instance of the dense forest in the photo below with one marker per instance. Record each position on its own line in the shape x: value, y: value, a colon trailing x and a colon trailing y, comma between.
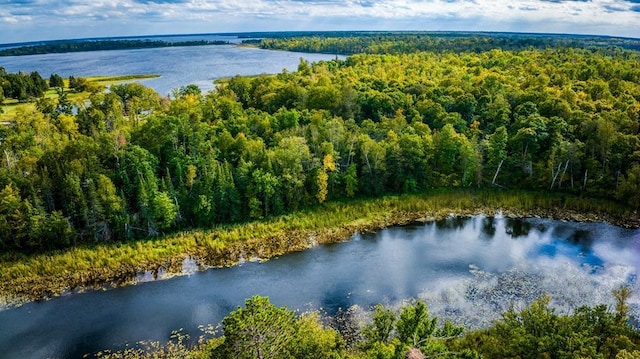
x: 130, y: 164
x: 349, y: 43
x: 56, y: 47
x: 263, y: 330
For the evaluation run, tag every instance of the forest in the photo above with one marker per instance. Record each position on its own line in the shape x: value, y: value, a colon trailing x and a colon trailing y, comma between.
x: 394, y: 42
x: 131, y: 164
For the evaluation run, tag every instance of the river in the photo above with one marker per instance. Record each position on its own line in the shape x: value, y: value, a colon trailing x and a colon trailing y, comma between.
x: 467, y: 270
x: 178, y: 66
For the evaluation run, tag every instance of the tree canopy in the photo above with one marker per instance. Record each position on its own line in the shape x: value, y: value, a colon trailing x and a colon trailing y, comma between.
x: 132, y: 164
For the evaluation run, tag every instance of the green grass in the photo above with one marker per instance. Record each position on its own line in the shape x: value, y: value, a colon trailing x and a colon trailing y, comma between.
x: 36, y: 276
x: 110, y: 80
x: 10, y: 106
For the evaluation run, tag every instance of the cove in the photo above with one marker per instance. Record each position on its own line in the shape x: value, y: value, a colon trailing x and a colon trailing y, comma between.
x: 468, y: 270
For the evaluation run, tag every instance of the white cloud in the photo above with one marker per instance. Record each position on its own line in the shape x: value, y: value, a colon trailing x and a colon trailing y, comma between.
x: 42, y: 19
x: 9, y: 19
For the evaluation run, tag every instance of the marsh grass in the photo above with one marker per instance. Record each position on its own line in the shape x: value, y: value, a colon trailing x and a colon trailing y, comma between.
x: 27, y: 277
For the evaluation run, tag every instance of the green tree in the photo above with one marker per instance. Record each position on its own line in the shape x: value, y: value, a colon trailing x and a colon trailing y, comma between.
x: 260, y: 330
x: 37, y: 86
x: 312, y: 340
x: 413, y: 331
x: 382, y: 327
x: 191, y: 89
x: 63, y: 105
x: 629, y: 188
x: 290, y: 157
x: 135, y: 98
x: 164, y: 209
x: 56, y: 80
x: 372, y: 161
x: 414, y: 325
x: 13, y: 218
x: 110, y: 223
x: 266, y: 185
x: 46, y: 105
x: 447, y: 153
x: 1, y: 97
x: 351, y: 180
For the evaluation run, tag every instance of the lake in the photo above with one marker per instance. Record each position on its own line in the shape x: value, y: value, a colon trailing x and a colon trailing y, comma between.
x: 467, y: 270
x: 178, y: 66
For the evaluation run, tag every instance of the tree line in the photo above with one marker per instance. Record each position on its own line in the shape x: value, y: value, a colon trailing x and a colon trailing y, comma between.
x: 132, y: 164
x: 21, y: 86
x: 349, y: 43
x: 57, y: 47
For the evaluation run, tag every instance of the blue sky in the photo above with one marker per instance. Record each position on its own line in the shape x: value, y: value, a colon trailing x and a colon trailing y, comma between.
x: 29, y: 20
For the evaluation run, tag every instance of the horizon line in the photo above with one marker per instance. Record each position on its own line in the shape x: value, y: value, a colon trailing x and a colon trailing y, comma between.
x: 239, y: 33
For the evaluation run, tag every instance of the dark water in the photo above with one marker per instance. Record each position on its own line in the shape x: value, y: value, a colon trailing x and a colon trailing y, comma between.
x: 468, y: 270
x: 178, y: 66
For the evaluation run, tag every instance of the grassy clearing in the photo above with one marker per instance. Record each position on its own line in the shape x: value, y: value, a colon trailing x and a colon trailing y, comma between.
x: 111, y: 80
x: 28, y: 277
x: 10, y: 106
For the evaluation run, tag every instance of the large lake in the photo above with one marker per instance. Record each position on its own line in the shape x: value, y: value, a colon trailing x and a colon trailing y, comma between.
x: 466, y: 269
x: 178, y: 66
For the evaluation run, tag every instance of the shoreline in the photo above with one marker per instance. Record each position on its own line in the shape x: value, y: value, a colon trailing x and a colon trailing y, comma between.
x: 10, y: 106
x: 46, y: 276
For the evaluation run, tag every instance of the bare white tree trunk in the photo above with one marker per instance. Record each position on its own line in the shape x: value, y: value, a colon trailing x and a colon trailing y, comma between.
x: 566, y: 164
x: 493, y: 182
x: 555, y: 175
x: 366, y: 157
x: 584, y: 182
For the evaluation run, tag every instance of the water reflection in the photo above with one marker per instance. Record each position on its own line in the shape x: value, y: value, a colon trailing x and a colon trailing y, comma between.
x: 581, y: 238
x: 452, y: 222
x: 336, y: 299
x: 468, y: 270
x: 517, y: 227
x: 489, y: 226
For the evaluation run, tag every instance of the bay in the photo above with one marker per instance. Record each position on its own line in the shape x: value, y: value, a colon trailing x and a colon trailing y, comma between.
x: 178, y: 66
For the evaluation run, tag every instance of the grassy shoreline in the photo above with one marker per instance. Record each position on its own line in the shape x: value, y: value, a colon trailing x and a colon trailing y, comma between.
x: 10, y: 106
x: 26, y: 278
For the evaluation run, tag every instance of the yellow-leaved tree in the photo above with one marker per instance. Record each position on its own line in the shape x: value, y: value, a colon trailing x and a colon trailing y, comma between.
x: 328, y: 164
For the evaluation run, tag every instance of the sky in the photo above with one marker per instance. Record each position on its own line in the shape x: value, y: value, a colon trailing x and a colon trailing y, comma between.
x: 35, y: 20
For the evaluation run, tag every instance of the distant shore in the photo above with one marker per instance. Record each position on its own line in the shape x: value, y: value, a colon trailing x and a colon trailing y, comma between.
x: 60, y: 47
